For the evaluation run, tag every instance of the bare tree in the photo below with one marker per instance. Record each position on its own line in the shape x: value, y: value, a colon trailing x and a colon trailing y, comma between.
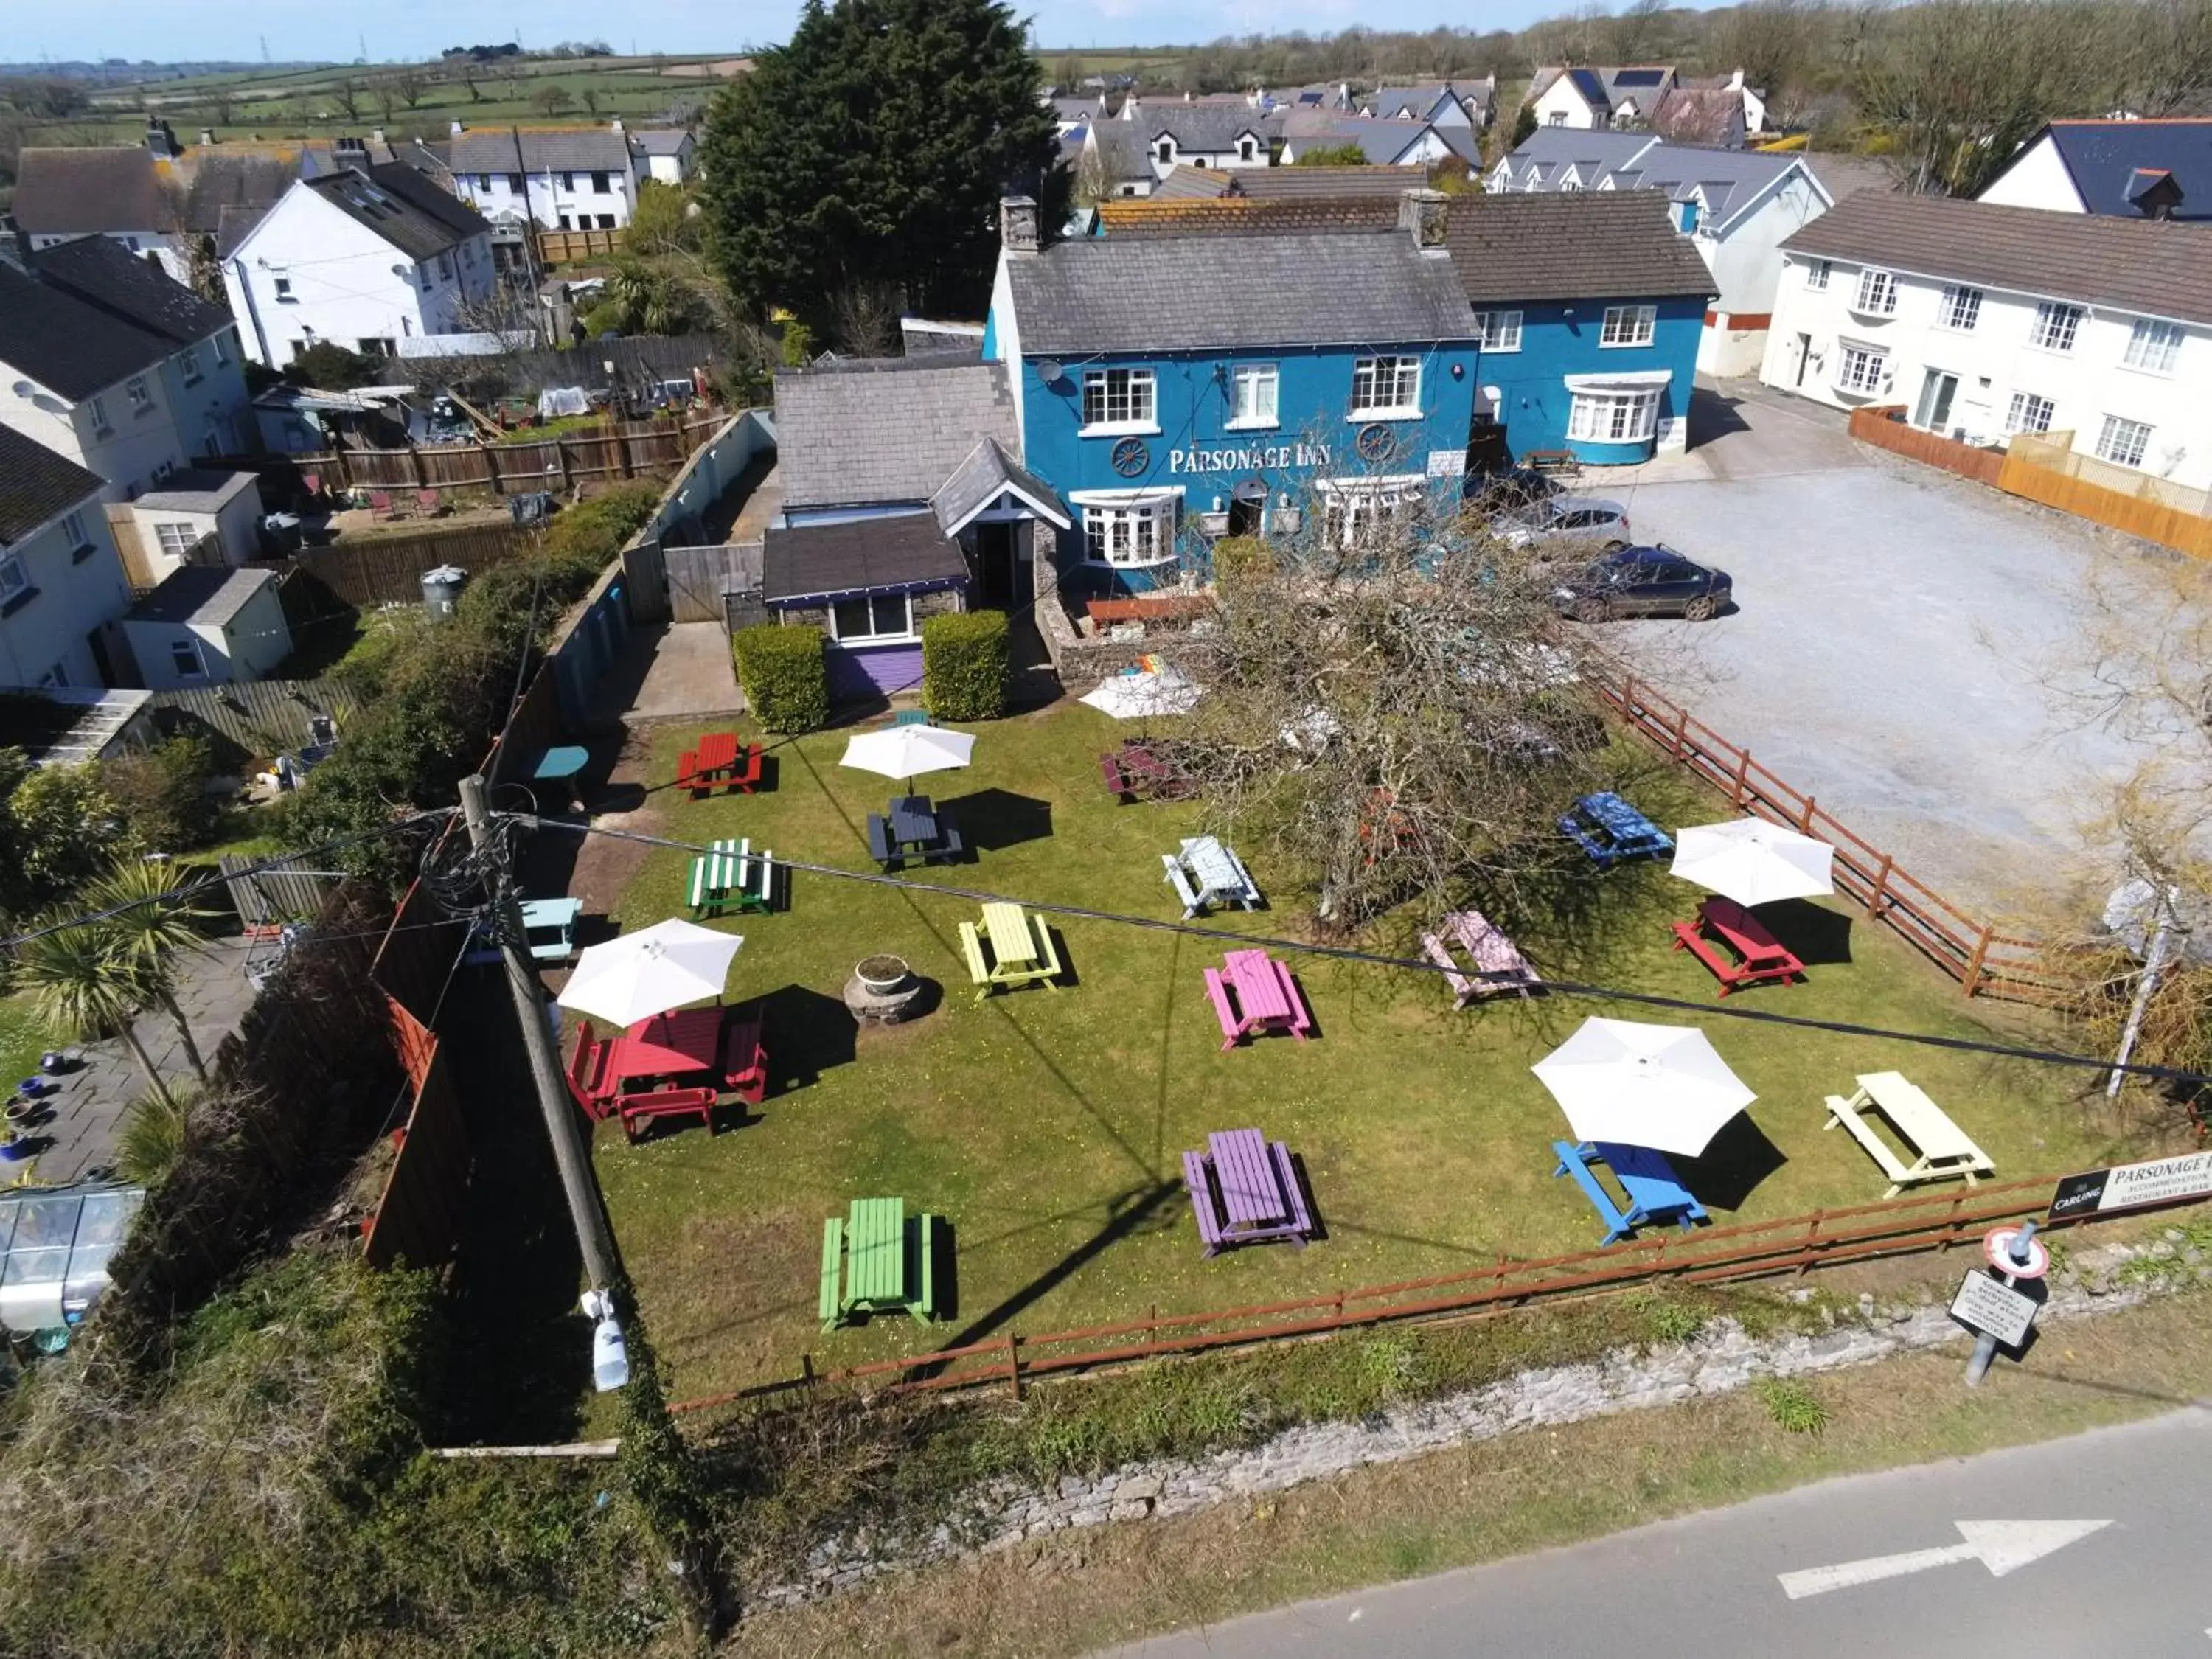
x: 347, y: 91
x: 467, y: 74
x: 550, y: 101
x: 411, y: 83
x: 864, y: 316
x: 589, y: 97
x: 387, y: 100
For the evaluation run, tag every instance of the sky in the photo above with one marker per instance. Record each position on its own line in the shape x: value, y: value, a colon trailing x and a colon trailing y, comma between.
x: 233, y: 29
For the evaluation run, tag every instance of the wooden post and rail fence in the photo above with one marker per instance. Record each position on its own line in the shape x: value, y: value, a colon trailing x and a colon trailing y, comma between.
x: 557, y: 464
x: 1969, y: 949
x: 1793, y: 1244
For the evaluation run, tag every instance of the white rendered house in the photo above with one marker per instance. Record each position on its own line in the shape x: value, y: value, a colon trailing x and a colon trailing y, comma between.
x: 560, y: 178
x: 61, y: 584
x: 362, y: 260
x: 1983, y: 322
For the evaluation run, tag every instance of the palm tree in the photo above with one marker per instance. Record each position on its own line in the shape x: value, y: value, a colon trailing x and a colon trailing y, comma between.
x: 78, y: 985
x: 148, y: 928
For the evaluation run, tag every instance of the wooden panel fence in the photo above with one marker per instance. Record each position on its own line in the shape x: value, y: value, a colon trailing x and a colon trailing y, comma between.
x: 699, y: 577
x: 558, y: 248
x: 1798, y: 1244
x: 560, y: 463
x: 1983, y: 961
x: 417, y: 1220
x: 388, y: 569
x: 259, y: 716
x: 1883, y: 426
x: 2132, y: 515
x: 266, y: 898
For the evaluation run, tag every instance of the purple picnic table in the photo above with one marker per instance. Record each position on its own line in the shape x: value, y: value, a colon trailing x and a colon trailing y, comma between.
x: 1251, y: 992
x: 1244, y: 1190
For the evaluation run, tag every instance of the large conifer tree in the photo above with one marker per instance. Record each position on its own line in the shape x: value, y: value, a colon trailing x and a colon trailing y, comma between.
x: 871, y: 152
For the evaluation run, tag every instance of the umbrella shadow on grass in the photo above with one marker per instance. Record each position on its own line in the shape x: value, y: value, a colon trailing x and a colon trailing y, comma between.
x: 1734, y: 1161
x: 1812, y: 932
x: 806, y: 1033
x: 993, y: 819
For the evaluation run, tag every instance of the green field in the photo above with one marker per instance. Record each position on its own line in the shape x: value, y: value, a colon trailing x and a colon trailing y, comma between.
x: 1048, y: 1124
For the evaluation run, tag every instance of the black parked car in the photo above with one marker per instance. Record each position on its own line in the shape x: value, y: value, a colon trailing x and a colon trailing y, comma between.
x: 1644, y: 582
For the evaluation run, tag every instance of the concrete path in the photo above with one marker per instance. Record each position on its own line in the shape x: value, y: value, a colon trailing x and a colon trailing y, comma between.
x: 1748, y: 1582
x: 679, y: 670
x: 85, y: 1115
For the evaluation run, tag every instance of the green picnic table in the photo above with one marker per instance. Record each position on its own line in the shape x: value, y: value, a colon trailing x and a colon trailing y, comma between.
x: 886, y: 1265
x: 1021, y: 949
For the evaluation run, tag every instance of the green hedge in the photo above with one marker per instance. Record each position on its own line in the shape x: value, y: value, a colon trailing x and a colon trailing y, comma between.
x: 785, y: 677
x: 964, y: 656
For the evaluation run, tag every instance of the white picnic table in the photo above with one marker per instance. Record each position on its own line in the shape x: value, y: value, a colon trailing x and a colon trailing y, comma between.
x: 1205, y: 872
x: 1940, y: 1147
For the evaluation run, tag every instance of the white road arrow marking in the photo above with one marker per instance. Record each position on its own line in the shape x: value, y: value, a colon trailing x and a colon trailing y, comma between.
x: 2003, y: 1547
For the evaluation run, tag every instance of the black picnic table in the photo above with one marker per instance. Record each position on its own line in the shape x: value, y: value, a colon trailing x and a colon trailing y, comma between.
x: 912, y: 828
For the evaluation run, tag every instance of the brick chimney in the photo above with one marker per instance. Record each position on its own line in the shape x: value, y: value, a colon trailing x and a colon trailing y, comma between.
x: 1422, y: 214
x: 1018, y: 231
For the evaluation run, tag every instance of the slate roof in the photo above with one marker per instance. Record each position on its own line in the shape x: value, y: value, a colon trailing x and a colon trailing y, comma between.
x: 1235, y: 215
x: 1120, y: 150
x: 660, y: 141
x: 1729, y: 178
x: 402, y: 207
x: 220, y: 183
x: 128, y: 287
x: 1212, y: 129
x: 1194, y: 293
x: 1188, y: 184
x: 1380, y: 142
x: 1578, y: 245
x: 858, y: 556
x: 867, y: 433
x: 544, y: 149
x: 1418, y: 103
x: 79, y: 192
x: 2153, y: 268
x: 2102, y: 155
x: 987, y: 473
x: 37, y: 486
x: 67, y: 344
x: 207, y: 595
x: 1325, y: 184
x: 1847, y: 175
x: 198, y: 490
x: 1700, y: 116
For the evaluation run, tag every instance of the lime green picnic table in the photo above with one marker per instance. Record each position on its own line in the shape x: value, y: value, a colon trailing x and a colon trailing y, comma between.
x: 886, y: 1266
x: 1021, y: 949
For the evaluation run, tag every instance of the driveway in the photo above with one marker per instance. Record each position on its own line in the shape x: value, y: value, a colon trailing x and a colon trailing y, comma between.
x: 1899, y: 648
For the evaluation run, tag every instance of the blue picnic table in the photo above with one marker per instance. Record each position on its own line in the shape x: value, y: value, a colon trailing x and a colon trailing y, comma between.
x: 1609, y: 830
x: 1655, y: 1193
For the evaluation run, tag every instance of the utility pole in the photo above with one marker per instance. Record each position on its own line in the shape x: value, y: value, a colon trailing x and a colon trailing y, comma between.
x: 592, y: 1236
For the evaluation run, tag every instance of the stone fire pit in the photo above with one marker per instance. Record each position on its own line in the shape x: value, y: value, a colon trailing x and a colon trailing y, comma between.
x: 882, y: 990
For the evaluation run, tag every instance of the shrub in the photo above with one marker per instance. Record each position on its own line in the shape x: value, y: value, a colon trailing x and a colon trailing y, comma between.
x: 1237, y: 557
x: 1792, y: 1405
x: 964, y: 655
x: 161, y: 794
x: 784, y: 675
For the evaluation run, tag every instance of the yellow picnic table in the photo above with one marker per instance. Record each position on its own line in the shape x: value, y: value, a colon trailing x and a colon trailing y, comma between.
x: 1940, y: 1147
x: 1019, y: 949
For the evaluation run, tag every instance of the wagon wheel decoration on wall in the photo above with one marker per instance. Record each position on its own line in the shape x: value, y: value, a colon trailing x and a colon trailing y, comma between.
x: 1131, y: 456
x: 1376, y: 443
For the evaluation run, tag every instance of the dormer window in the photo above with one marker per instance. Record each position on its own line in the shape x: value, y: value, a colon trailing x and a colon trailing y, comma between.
x: 1246, y: 150
x: 1166, y: 152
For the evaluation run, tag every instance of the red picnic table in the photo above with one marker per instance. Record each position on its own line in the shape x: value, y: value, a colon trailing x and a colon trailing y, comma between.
x: 719, y: 758
x: 1251, y: 992
x: 1741, y: 952
x: 674, y: 1065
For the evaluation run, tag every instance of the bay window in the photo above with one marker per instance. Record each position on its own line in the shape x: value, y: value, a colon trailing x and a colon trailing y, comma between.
x: 872, y: 618
x: 1861, y: 369
x: 1354, y: 508
x: 1629, y: 416
x: 1128, y: 532
x: 1382, y: 387
x: 1119, y: 400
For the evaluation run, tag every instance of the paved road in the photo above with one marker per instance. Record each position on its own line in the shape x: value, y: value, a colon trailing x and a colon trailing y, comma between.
x: 1894, y: 650
x: 2136, y: 1589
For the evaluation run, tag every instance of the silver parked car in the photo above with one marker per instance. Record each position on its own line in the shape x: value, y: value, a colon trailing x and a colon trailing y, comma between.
x: 1602, y: 524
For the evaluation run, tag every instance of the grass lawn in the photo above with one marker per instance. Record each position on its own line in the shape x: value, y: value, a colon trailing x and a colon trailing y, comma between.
x: 1048, y: 1126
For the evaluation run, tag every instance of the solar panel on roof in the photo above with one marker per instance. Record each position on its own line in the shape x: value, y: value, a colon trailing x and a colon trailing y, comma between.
x: 1639, y: 77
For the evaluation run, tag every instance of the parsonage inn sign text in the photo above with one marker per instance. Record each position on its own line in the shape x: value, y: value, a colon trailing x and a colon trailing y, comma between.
x: 1251, y: 458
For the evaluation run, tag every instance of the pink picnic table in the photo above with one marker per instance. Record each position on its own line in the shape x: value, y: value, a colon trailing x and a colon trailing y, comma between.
x: 1253, y: 992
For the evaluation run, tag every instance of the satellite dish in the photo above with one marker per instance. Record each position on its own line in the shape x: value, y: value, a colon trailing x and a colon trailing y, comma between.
x: 22, y: 388
x: 1050, y: 372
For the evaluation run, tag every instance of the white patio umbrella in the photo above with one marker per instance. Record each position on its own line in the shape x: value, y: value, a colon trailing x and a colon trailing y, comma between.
x: 651, y: 971
x: 1643, y: 1086
x: 902, y: 752
x: 1753, y: 861
x: 1137, y: 696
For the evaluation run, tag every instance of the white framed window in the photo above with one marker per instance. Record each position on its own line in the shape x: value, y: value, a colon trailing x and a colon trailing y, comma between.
x: 1385, y: 386
x: 221, y: 343
x: 1247, y: 150
x: 568, y: 181
x: 1876, y: 296
x: 1254, y: 391
x: 1556, y: 118
x: 1498, y: 330
x: 1569, y: 183
x: 176, y: 538
x: 2055, y: 324
x: 1816, y: 276
x: 599, y: 185
x: 188, y: 361
x: 14, y: 583
x: 2153, y: 345
x: 283, y: 286
x: 141, y: 395
x: 1615, y: 417
x: 1130, y: 534
x: 1120, y: 400
x: 1961, y: 308
x: 1352, y: 507
x: 1861, y: 368
x: 185, y: 659
x: 872, y: 618
x: 1166, y: 151
x: 101, y: 425
x: 1628, y: 325
x: 2029, y: 413
x: 73, y: 527
x: 2122, y: 442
